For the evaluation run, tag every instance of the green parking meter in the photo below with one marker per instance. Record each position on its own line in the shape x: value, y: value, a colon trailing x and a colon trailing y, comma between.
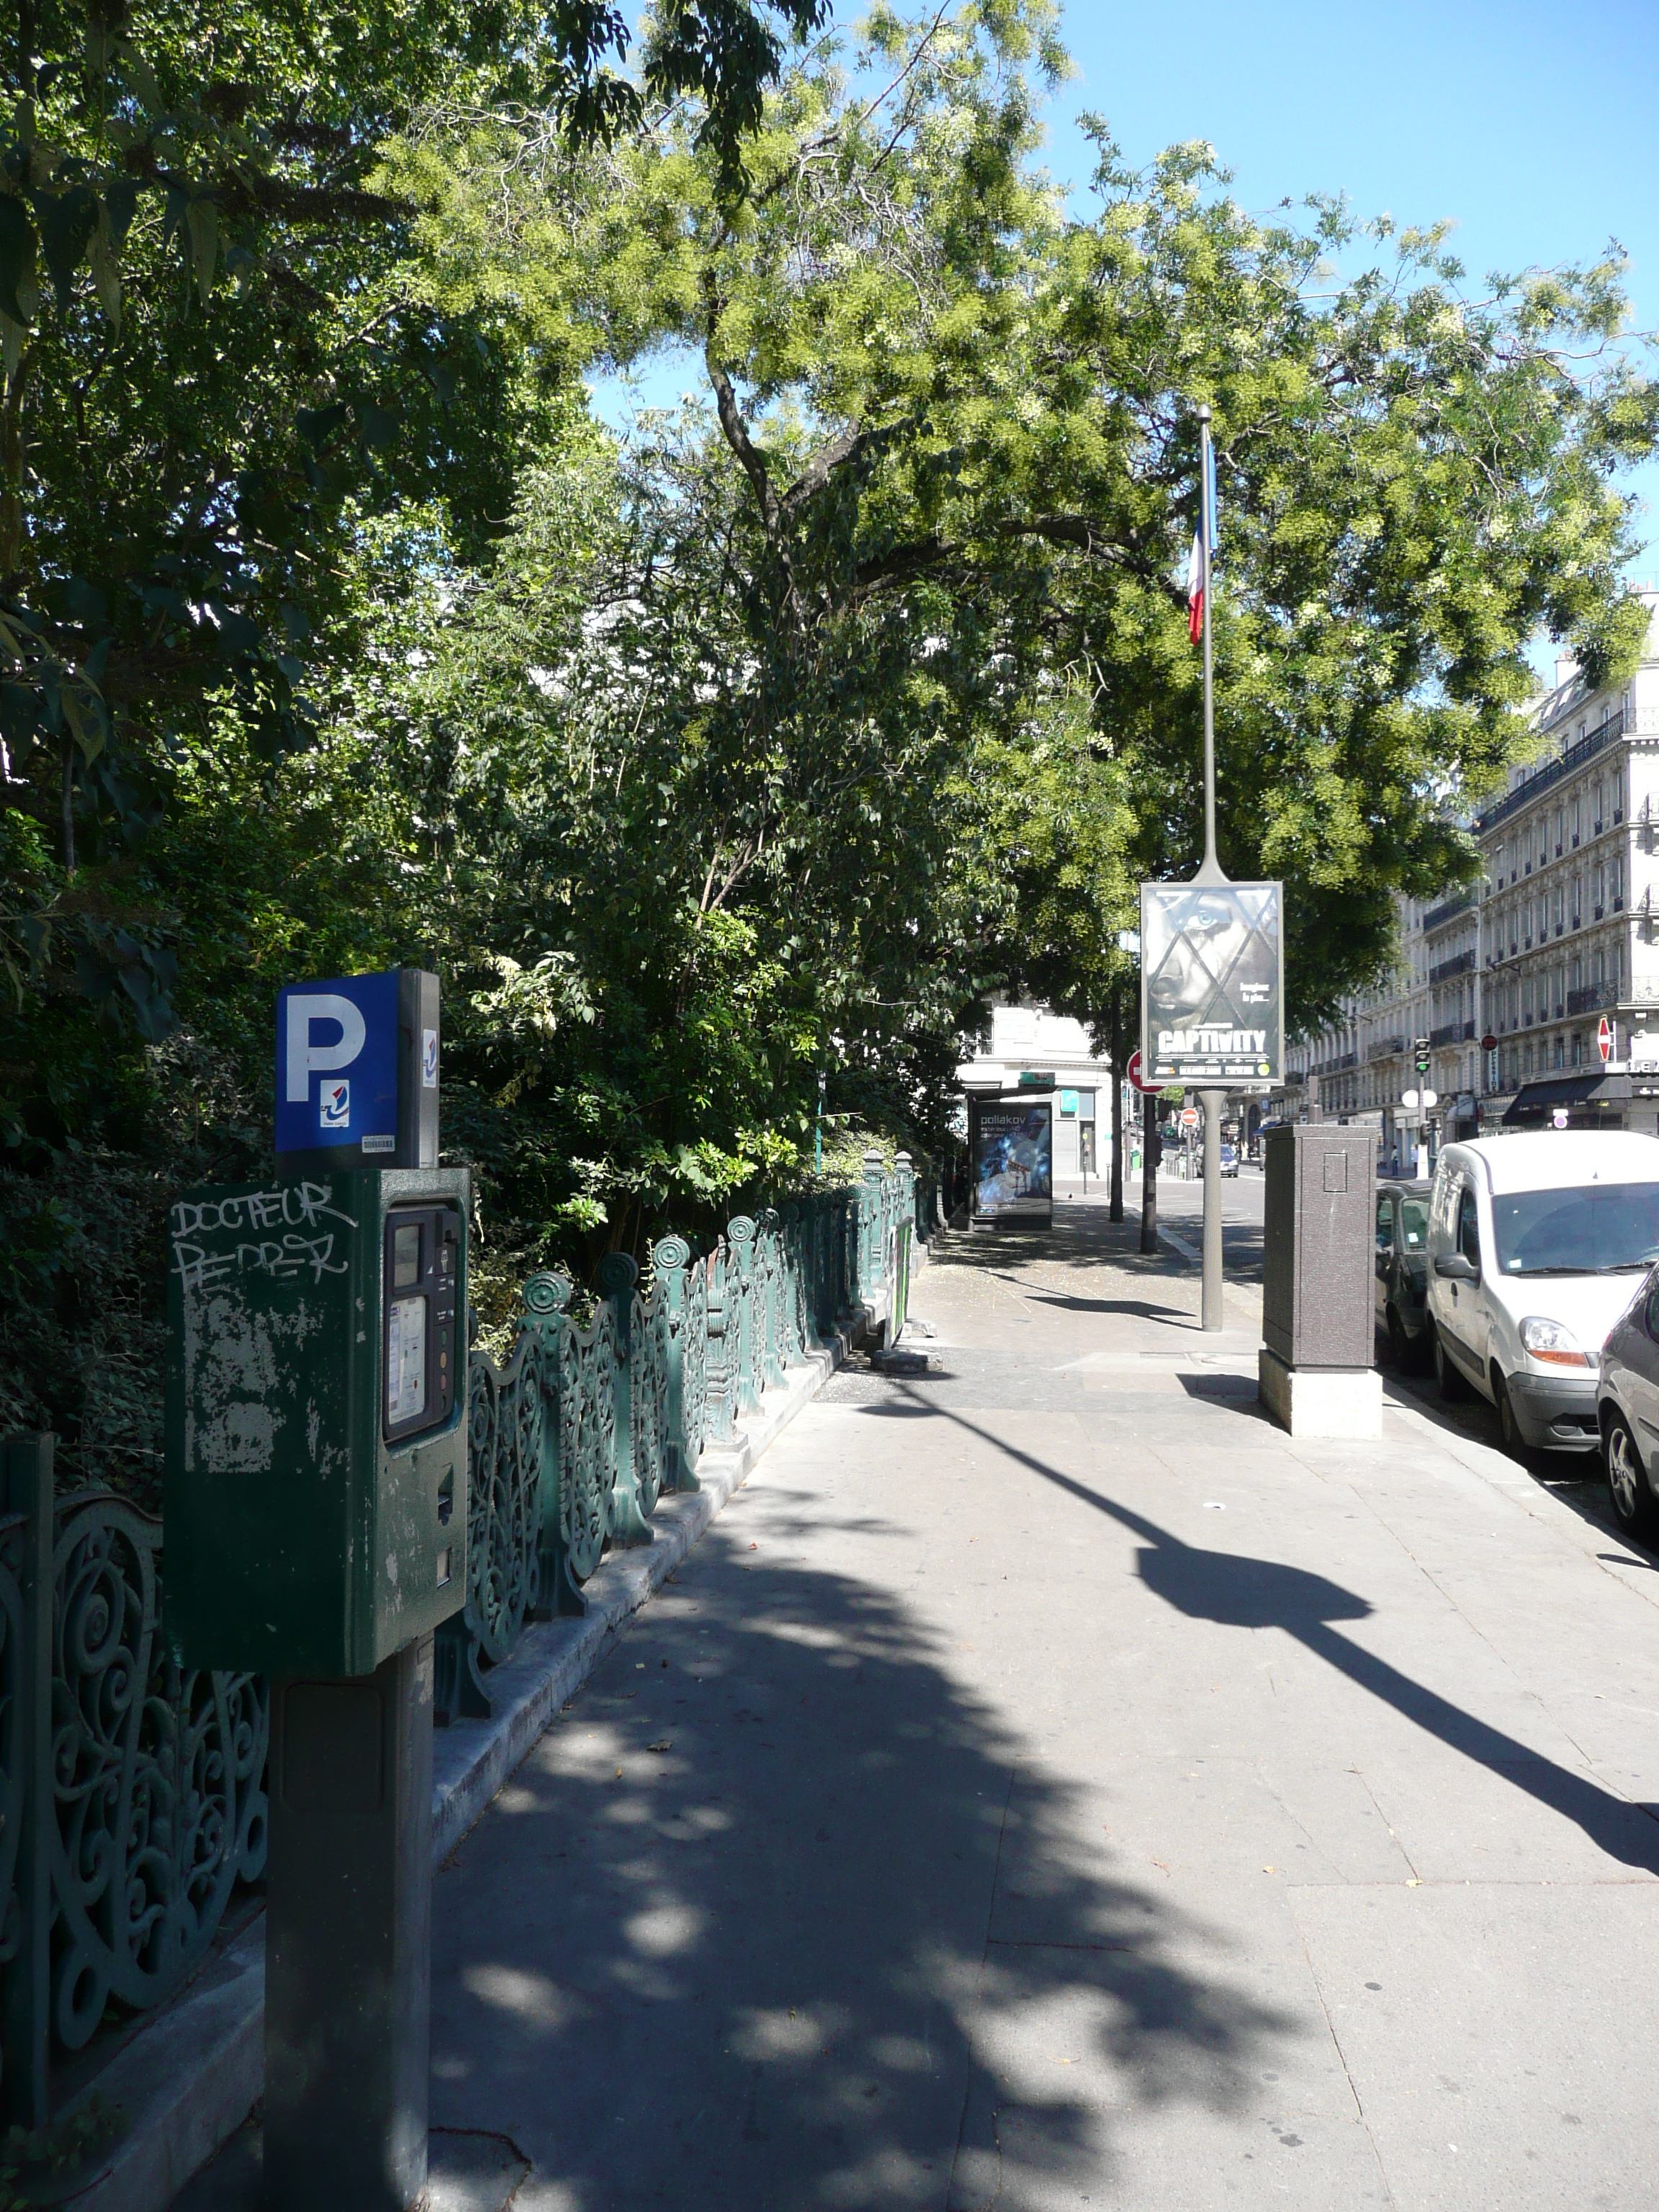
x: 316, y: 1474
x: 316, y: 1512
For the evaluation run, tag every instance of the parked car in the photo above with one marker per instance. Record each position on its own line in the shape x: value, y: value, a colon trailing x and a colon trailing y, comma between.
x: 1536, y: 1245
x: 1229, y: 1158
x: 1402, y: 1268
x: 1627, y: 1400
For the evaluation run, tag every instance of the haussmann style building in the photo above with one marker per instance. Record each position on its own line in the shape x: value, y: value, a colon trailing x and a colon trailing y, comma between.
x: 1509, y: 980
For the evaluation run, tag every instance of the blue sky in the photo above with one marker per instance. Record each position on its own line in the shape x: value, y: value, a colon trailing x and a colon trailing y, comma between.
x: 1532, y: 127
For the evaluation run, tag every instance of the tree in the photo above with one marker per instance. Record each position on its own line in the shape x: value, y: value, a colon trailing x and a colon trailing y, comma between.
x: 962, y: 424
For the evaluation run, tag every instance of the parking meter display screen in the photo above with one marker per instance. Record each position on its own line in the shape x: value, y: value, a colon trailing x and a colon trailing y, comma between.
x: 1013, y: 1160
x: 1212, y: 969
x: 406, y: 1361
x: 406, y: 1256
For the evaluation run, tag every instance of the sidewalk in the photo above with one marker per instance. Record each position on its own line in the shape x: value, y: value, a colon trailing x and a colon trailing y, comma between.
x: 1046, y: 1785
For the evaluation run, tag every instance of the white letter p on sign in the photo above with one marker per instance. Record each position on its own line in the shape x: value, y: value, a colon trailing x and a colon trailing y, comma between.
x: 304, y: 1058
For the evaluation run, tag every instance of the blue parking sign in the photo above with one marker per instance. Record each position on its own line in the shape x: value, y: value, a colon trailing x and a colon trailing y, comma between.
x: 336, y: 1065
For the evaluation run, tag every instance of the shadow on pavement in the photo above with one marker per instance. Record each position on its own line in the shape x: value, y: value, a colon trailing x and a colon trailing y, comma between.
x: 1236, y: 1591
x: 726, y: 1940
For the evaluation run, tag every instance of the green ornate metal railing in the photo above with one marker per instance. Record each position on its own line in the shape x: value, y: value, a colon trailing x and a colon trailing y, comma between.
x: 132, y: 1792
x: 589, y: 1424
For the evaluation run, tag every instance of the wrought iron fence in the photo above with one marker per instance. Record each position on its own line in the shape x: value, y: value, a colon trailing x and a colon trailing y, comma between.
x: 576, y: 1438
x: 132, y: 1791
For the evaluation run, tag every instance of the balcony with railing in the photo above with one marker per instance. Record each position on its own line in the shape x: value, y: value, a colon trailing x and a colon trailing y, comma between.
x: 1451, y: 1033
x: 1438, y: 916
x: 1591, y: 997
x: 1461, y: 965
x: 1385, y: 1049
x: 1554, y: 772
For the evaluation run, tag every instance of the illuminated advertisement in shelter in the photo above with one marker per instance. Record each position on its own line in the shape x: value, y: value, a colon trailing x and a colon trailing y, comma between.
x: 1212, y: 996
x: 1013, y: 1160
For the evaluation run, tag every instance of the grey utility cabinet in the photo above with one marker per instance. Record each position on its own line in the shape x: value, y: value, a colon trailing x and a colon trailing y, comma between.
x: 1316, y: 1290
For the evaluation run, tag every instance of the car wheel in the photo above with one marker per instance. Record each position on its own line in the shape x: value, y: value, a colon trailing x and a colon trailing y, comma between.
x: 1446, y: 1374
x: 1627, y: 1485
x: 1508, y: 1427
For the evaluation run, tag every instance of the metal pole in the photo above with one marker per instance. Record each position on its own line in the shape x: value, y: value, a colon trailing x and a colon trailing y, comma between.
x: 1214, y: 1102
x: 1114, y: 1209
x: 818, y: 1128
x: 1210, y: 873
x: 1148, y: 1172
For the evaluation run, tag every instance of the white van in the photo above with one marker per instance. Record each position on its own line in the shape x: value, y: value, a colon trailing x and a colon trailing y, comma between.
x: 1537, y: 1243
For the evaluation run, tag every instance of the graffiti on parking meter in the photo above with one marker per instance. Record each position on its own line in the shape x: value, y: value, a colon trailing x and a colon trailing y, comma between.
x: 281, y: 1232
x: 1212, y: 990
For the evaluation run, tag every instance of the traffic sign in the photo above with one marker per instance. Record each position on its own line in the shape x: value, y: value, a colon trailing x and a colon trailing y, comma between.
x: 1189, y: 1117
x: 1146, y: 1090
x: 1604, y: 1039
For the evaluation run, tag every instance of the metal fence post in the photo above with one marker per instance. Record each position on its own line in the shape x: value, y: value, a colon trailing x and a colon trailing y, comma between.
x: 684, y: 1283
x: 26, y: 1470
x: 616, y: 1277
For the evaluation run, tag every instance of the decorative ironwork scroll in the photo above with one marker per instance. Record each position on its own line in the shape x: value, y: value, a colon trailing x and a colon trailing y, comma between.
x: 682, y: 1292
x: 158, y: 1777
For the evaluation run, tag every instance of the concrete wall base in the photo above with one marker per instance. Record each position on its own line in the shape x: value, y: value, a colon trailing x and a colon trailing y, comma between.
x: 1321, y: 1401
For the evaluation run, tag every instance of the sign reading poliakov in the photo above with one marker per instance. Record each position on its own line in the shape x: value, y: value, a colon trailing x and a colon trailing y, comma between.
x: 1213, y: 984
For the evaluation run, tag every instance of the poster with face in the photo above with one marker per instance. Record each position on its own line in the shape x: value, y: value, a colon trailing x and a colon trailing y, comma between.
x: 1013, y: 1160
x: 1213, y: 984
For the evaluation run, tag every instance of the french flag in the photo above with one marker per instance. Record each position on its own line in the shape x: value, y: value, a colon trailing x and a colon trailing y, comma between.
x: 1195, y: 564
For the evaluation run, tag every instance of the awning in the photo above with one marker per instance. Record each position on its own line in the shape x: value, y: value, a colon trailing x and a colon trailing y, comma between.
x: 1591, y: 1089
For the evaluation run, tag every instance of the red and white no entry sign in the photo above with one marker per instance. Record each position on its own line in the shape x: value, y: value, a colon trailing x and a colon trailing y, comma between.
x: 1189, y: 1117
x: 1604, y: 1039
x: 1148, y: 1090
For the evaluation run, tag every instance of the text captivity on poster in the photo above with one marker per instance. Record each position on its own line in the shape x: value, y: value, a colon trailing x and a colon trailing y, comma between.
x: 1213, y: 984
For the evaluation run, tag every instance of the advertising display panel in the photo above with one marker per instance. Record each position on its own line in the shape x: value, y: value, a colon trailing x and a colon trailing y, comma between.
x: 1013, y: 1155
x: 1212, y: 993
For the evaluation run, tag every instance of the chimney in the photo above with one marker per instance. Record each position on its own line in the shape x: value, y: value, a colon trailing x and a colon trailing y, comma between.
x: 1566, y: 667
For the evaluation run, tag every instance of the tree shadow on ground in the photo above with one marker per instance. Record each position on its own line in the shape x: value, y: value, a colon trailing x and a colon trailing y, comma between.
x: 728, y: 1938
x: 1235, y: 1590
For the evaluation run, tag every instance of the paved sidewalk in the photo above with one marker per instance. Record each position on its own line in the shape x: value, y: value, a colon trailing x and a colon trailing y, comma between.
x: 1046, y: 1785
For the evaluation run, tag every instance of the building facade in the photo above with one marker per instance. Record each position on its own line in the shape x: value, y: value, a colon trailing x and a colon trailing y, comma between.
x: 1032, y: 1041
x: 1509, y: 979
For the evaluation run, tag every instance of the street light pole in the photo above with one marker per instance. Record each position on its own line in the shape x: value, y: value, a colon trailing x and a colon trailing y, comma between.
x: 1210, y: 873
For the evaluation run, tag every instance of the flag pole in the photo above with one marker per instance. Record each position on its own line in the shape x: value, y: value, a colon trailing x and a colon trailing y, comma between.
x: 1213, y: 1317
x: 1210, y: 872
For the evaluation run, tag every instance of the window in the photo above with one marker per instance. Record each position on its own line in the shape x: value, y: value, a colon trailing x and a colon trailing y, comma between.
x: 1560, y: 1052
x: 1468, y: 1226
x: 1413, y: 1223
x: 1385, y: 1224
x: 1593, y: 1229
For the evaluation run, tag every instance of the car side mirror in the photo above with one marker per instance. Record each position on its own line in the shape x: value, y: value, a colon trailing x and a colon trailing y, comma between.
x: 1453, y: 1268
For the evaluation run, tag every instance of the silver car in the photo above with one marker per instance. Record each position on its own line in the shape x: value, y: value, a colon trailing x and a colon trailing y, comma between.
x: 1627, y: 1406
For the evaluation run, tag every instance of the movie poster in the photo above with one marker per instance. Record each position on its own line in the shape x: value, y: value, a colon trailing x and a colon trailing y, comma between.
x: 1013, y: 1160
x: 1213, y: 984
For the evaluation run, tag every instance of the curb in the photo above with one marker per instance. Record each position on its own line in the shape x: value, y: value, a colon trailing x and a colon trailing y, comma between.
x: 193, y: 2073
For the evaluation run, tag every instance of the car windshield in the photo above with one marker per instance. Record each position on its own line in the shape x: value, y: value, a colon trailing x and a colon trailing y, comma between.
x: 1598, y: 1229
x: 1415, y: 1223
